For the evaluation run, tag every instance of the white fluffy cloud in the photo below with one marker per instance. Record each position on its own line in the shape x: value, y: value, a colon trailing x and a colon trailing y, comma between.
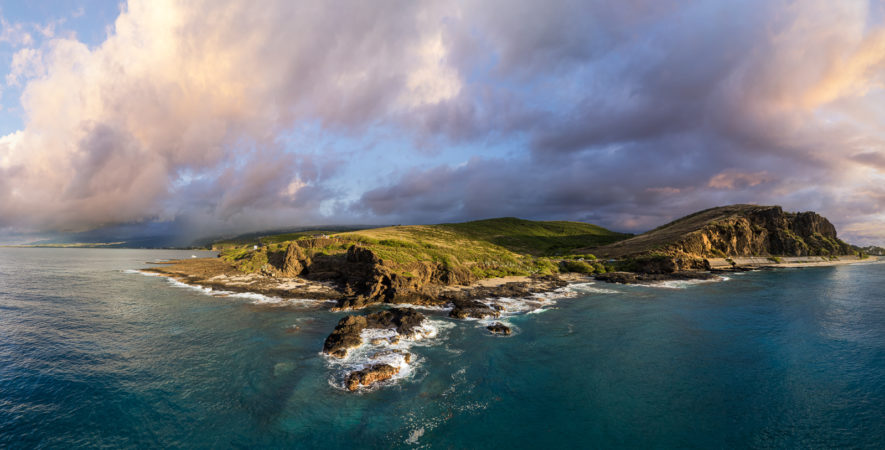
x: 627, y: 113
x: 204, y: 89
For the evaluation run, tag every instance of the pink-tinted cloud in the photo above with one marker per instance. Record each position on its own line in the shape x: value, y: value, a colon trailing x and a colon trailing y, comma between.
x: 624, y: 113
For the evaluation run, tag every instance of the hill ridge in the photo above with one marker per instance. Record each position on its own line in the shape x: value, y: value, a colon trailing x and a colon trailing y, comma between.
x: 735, y: 230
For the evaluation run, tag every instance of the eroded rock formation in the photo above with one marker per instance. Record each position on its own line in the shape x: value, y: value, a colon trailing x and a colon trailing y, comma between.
x: 729, y: 231
x: 347, y: 334
x: 499, y: 328
x: 370, y: 376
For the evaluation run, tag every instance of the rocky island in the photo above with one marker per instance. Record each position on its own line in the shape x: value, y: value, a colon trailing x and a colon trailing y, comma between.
x: 474, y: 270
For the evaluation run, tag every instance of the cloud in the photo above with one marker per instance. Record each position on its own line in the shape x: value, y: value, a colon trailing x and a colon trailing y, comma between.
x: 627, y: 113
x: 205, y: 90
x: 15, y: 34
x: 665, y: 115
x: 733, y: 180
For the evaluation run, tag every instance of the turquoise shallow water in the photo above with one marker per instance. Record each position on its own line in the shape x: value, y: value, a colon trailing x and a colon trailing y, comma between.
x: 92, y: 356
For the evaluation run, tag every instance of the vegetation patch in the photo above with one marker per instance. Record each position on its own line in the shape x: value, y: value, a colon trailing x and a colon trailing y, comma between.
x: 487, y: 248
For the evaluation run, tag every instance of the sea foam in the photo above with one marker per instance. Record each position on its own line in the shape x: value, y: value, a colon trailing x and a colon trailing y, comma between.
x: 386, y: 346
x: 253, y: 297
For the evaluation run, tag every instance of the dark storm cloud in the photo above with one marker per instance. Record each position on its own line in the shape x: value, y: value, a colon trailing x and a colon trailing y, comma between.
x: 624, y: 113
x: 696, y: 105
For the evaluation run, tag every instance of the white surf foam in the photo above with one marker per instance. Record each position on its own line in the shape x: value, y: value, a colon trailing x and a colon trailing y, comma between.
x: 142, y: 272
x: 445, y: 308
x: 680, y: 284
x: 590, y: 288
x: 253, y: 297
x: 204, y: 290
x: 386, y: 346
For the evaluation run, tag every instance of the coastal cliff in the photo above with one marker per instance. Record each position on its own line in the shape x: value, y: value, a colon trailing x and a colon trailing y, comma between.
x: 428, y: 264
x: 490, y: 270
x: 727, y: 232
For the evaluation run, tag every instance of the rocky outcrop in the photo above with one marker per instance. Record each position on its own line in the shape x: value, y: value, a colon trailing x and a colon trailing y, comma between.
x: 766, y: 231
x: 295, y: 261
x: 636, y: 278
x: 370, y: 376
x: 347, y: 334
x: 729, y: 231
x: 367, y: 279
x: 472, y: 309
x: 499, y: 328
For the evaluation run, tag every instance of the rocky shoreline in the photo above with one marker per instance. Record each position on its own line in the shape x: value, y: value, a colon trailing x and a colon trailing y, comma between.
x: 642, y: 278
x: 214, y: 273
x: 484, y: 300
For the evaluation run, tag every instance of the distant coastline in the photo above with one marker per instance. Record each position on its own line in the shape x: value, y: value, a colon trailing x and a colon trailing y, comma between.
x: 71, y: 245
x: 487, y: 270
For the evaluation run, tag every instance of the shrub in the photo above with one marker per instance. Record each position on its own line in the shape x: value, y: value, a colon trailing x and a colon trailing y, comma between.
x: 576, y: 266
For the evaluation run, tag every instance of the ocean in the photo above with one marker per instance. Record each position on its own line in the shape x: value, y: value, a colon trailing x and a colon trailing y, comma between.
x: 95, y: 354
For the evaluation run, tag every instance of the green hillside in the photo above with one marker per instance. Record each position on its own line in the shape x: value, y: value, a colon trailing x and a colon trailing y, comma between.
x: 487, y: 248
x: 536, y: 238
x: 736, y: 230
x: 273, y: 237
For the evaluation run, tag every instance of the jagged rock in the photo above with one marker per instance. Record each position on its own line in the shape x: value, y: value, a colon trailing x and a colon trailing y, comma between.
x: 634, y: 278
x: 404, y: 320
x: 736, y: 230
x: 368, y: 279
x: 472, y: 309
x: 499, y: 328
x: 346, y: 334
x: 295, y: 261
x: 370, y: 375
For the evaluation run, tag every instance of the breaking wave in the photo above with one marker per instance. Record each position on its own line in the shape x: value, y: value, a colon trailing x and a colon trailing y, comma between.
x: 253, y: 297
x: 386, y: 346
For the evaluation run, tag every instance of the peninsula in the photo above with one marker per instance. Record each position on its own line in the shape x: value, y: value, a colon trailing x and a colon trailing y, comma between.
x: 464, y: 267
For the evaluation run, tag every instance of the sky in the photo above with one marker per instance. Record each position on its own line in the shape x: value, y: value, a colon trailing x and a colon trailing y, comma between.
x: 218, y: 116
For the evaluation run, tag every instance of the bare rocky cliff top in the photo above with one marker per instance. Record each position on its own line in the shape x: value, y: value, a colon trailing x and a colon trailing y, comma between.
x: 735, y: 230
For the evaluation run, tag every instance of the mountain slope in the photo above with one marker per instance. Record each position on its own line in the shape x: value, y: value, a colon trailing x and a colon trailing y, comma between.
x: 735, y: 230
x: 485, y: 248
x: 412, y: 263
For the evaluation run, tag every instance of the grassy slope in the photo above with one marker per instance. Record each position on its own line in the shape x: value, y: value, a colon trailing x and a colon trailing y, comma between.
x: 266, y: 239
x: 667, y: 234
x: 671, y: 232
x: 536, y: 238
x: 488, y: 248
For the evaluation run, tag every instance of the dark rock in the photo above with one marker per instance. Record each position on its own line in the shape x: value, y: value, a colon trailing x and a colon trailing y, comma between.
x: 403, y: 320
x: 472, y: 309
x: 346, y: 334
x: 369, y: 376
x: 499, y: 328
x: 634, y: 278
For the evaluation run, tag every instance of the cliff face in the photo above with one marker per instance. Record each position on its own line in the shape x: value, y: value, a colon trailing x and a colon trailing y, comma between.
x: 737, y: 230
x: 365, y: 277
x: 764, y: 231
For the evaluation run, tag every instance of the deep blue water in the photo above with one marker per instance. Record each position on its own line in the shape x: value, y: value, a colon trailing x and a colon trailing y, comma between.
x: 92, y: 356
